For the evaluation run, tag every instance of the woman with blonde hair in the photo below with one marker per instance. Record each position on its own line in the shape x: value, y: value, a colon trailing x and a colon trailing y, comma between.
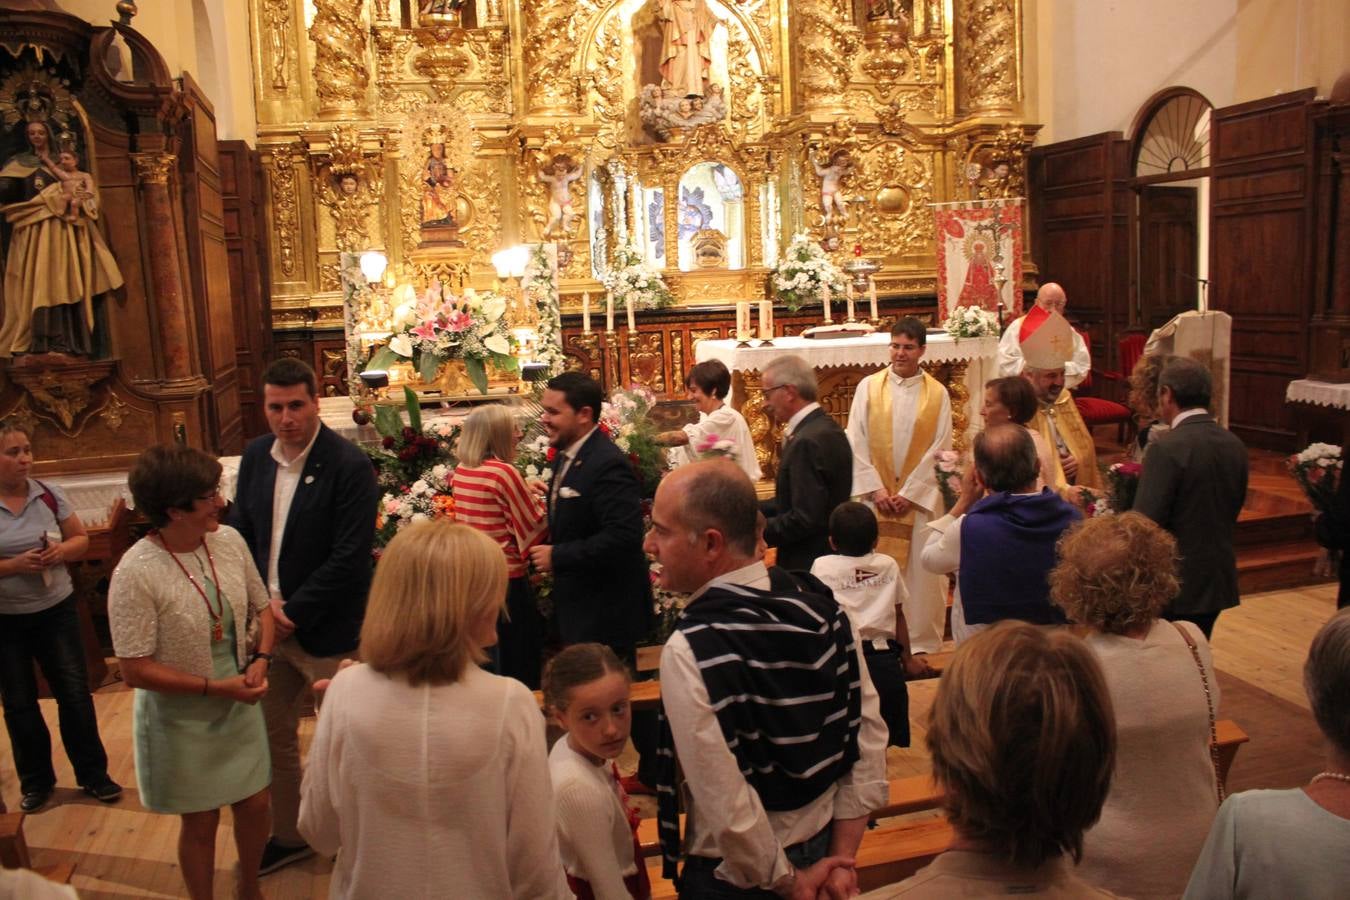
x: 491, y: 495
x: 1023, y: 742
x: 428, y: 774
x: 1115, y: 575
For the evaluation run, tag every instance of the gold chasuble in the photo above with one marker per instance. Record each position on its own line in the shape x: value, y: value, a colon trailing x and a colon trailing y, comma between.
x: 897, y: 532
x: 1064, y: 416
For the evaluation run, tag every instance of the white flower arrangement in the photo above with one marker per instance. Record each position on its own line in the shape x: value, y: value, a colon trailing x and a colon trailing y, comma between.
x: 631, y: 281
x: 805, y: 273
x: 1326, y: 456
x: 541, y: 285
x: 971, y: 322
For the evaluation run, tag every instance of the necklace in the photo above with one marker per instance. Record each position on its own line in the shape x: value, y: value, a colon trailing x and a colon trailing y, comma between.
x: 217, y: 629
x: 1332, y: 776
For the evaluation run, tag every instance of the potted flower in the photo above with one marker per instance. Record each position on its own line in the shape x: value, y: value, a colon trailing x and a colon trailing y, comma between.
x: 805, y: 273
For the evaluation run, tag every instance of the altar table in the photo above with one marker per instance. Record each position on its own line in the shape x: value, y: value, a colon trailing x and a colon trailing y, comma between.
x: 962, y: 364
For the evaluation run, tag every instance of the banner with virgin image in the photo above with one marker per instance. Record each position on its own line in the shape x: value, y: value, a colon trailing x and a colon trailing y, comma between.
x: 979, y: 255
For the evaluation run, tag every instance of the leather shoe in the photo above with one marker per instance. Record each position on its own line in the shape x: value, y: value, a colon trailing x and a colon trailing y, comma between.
x: 106, y: 791
x: 34, y: 800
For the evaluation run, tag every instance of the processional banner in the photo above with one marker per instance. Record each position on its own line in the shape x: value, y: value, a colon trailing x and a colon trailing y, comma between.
x: 979, y: 255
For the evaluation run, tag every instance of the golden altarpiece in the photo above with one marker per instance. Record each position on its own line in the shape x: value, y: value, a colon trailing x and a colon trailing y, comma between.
x: 705, y: 133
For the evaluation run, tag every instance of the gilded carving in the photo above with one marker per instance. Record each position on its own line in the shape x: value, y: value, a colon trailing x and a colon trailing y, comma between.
x: 996, y: 168
x: 153, y: 167
x: 23, y: 416
x: 63, y: 394
x: 277, y: 15
x: 647, y: 360
x: 443, y: 59
x: 828, y: 43
x: 285, y: 206
x: 351, y: 189
x: 340, y: 69
x: 988, y: 55
x: 115, y: 412
x: 551, y: 33
x: 677, y: 356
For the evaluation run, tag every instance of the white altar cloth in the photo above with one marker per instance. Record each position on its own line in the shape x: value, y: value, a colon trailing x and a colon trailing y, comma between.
x: 1318, y: 393
x: 869, y: 352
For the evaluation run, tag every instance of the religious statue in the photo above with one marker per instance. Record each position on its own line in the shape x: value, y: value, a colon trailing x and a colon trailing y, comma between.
x: 661, y: 111
x: 440, y: 200
x: 832, y: 176
x: 350, y: 205
x: 57, y: 263
x: 559, y: 174
x: 686, y: 36
x: 979, y: 288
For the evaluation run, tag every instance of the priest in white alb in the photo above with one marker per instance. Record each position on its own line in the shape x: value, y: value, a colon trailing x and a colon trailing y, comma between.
x: 1051, y: 299
x: 900, y: 418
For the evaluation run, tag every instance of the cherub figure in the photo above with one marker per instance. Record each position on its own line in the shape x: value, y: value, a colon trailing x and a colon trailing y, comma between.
x: 559, y: 175
x: 76, y: 186
x: 832, y: 178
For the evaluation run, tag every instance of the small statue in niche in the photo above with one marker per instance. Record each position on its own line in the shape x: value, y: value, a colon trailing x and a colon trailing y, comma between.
x: 440, y: 200
x: 832, y: 177
x: 76, y: 186
x: 559, y: 174
x: 710, y: 249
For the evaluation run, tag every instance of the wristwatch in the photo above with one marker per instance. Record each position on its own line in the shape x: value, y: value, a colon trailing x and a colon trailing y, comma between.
x: 259, y: 655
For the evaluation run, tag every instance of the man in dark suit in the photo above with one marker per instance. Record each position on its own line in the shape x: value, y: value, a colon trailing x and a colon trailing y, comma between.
x: 305, y: 502
x: 602, y: 588
x: 1193, y: 484
x: 815, y: 468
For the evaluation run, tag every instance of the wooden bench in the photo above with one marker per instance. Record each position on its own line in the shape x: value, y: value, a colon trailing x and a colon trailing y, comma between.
x: 14, y: 851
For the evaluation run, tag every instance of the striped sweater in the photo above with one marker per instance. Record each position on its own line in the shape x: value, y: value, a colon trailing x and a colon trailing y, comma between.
x: 493, y: 498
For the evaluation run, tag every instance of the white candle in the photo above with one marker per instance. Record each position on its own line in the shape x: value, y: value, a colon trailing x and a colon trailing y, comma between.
x: 872, y: 295
x: 632, y: 320
x: 825, y: 301
x: 848, y: 296
x: 766, y: 320
x: 742, y: 320
x: 585, y: 312
x: 609, y: 312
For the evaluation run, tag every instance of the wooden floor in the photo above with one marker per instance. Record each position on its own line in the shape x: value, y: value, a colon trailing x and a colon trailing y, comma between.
x: 124, y: 851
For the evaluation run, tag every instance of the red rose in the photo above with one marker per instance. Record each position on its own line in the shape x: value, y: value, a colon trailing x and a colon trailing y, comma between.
x: 550, y: 453
x: 604, y: 429
x: 388, y: 442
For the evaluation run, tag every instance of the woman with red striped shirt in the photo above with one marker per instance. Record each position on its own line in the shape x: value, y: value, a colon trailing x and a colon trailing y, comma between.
x: 491, y: 495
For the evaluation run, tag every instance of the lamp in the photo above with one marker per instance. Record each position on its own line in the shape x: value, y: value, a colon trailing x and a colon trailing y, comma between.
x: 373, y: 264
x: 510, y: 262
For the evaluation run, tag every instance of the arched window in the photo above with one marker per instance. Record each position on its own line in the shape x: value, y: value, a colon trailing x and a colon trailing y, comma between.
x: 1171, y: 135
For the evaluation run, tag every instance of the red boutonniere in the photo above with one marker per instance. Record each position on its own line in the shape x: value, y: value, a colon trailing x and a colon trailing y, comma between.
x: 550, y: 453
x: 604, y: 429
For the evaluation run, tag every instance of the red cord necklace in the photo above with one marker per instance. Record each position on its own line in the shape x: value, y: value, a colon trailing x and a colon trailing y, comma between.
x: 217, y: 628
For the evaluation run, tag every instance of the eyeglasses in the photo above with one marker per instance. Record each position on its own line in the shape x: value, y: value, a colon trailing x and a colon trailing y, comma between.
x: 769, y: 390
x: 212, y: 496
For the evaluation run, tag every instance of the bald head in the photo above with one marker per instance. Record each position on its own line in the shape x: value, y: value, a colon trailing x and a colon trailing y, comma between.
x: 1051, y: 298
x: 1005, y: 457
x: 704, y: 523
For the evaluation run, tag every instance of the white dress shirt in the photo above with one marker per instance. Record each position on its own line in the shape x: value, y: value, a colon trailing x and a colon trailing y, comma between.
x: 283, y: 492
x: 726, y: 818
x: 796, y: 419
x: 568, y: 457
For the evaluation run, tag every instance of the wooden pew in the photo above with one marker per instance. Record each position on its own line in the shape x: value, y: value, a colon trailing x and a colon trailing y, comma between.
x: 13, y: 848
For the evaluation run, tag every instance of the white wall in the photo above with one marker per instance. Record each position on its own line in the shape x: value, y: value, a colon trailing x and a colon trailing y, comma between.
x: 1091, y: 64
x: 207, y: 38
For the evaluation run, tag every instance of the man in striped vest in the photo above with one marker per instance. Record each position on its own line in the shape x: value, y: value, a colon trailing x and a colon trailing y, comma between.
x: 766, y: 701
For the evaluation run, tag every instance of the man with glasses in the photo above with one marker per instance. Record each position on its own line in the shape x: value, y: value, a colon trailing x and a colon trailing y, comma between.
x: 815, y: 465
x: 306, y: 504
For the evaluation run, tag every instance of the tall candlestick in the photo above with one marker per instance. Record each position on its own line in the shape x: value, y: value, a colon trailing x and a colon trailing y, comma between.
x: 825, y: 301
x: 766, y: 320
x: 848, y: 297
x: 609, y: 312
x: 585, y: 312
x: 872, y: 295
x: 632, y: 320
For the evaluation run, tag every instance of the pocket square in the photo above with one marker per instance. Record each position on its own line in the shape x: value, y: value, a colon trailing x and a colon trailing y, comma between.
x: 568, y: 493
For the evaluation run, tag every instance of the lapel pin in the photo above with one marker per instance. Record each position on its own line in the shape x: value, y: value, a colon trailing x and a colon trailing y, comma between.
x: 309, y: 479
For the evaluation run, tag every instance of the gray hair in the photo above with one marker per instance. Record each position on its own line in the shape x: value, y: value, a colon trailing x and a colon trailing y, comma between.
x: 720, y: 496
x: 1006, y: 458
x: 1190, y: 382
x: 796, y: 372
x: 1326, y: 679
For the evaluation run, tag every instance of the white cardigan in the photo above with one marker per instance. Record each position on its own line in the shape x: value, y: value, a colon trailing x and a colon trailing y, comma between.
x: 593, y: 832
x: 432, y: 791
x: 154, y: 611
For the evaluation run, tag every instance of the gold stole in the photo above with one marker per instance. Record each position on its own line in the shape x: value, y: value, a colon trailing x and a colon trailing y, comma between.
x: 897, y: 532
x: 1076, y: 435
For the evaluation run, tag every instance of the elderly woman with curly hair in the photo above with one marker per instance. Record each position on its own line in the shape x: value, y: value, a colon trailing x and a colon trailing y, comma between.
x: 1292, y: 843
x: 1116, y: 573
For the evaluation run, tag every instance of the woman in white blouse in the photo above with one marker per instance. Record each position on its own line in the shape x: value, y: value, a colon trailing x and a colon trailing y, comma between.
x: 708, y: 384
x: 179, y: 604
x: 428, y: 775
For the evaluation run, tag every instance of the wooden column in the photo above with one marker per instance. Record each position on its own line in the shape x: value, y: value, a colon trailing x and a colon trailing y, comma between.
x: 166, y: 280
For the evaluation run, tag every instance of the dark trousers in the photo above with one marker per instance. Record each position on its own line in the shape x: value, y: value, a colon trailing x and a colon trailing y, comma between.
x: 1203, y: 621
x: 52, y: 638
x: 520, y: 636
x: 699, y: 881
x: 888, y: 677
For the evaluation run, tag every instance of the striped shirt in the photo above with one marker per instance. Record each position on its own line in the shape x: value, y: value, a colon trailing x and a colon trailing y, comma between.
x: 493, y: 498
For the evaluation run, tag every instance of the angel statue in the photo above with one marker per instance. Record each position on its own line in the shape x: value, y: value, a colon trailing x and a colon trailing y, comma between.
x: 559, y: 175
x: 832, y: 177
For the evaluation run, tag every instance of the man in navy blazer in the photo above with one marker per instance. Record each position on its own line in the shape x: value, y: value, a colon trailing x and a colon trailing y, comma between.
x: 305, y: 502
x: 1193, y: 484
x: 602, y: 588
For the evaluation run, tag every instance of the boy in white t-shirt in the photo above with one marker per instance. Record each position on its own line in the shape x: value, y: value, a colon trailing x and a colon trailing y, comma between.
x: 868, y: 586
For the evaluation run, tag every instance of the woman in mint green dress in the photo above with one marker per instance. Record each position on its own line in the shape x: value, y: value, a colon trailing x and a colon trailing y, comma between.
x: 180, y: 605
